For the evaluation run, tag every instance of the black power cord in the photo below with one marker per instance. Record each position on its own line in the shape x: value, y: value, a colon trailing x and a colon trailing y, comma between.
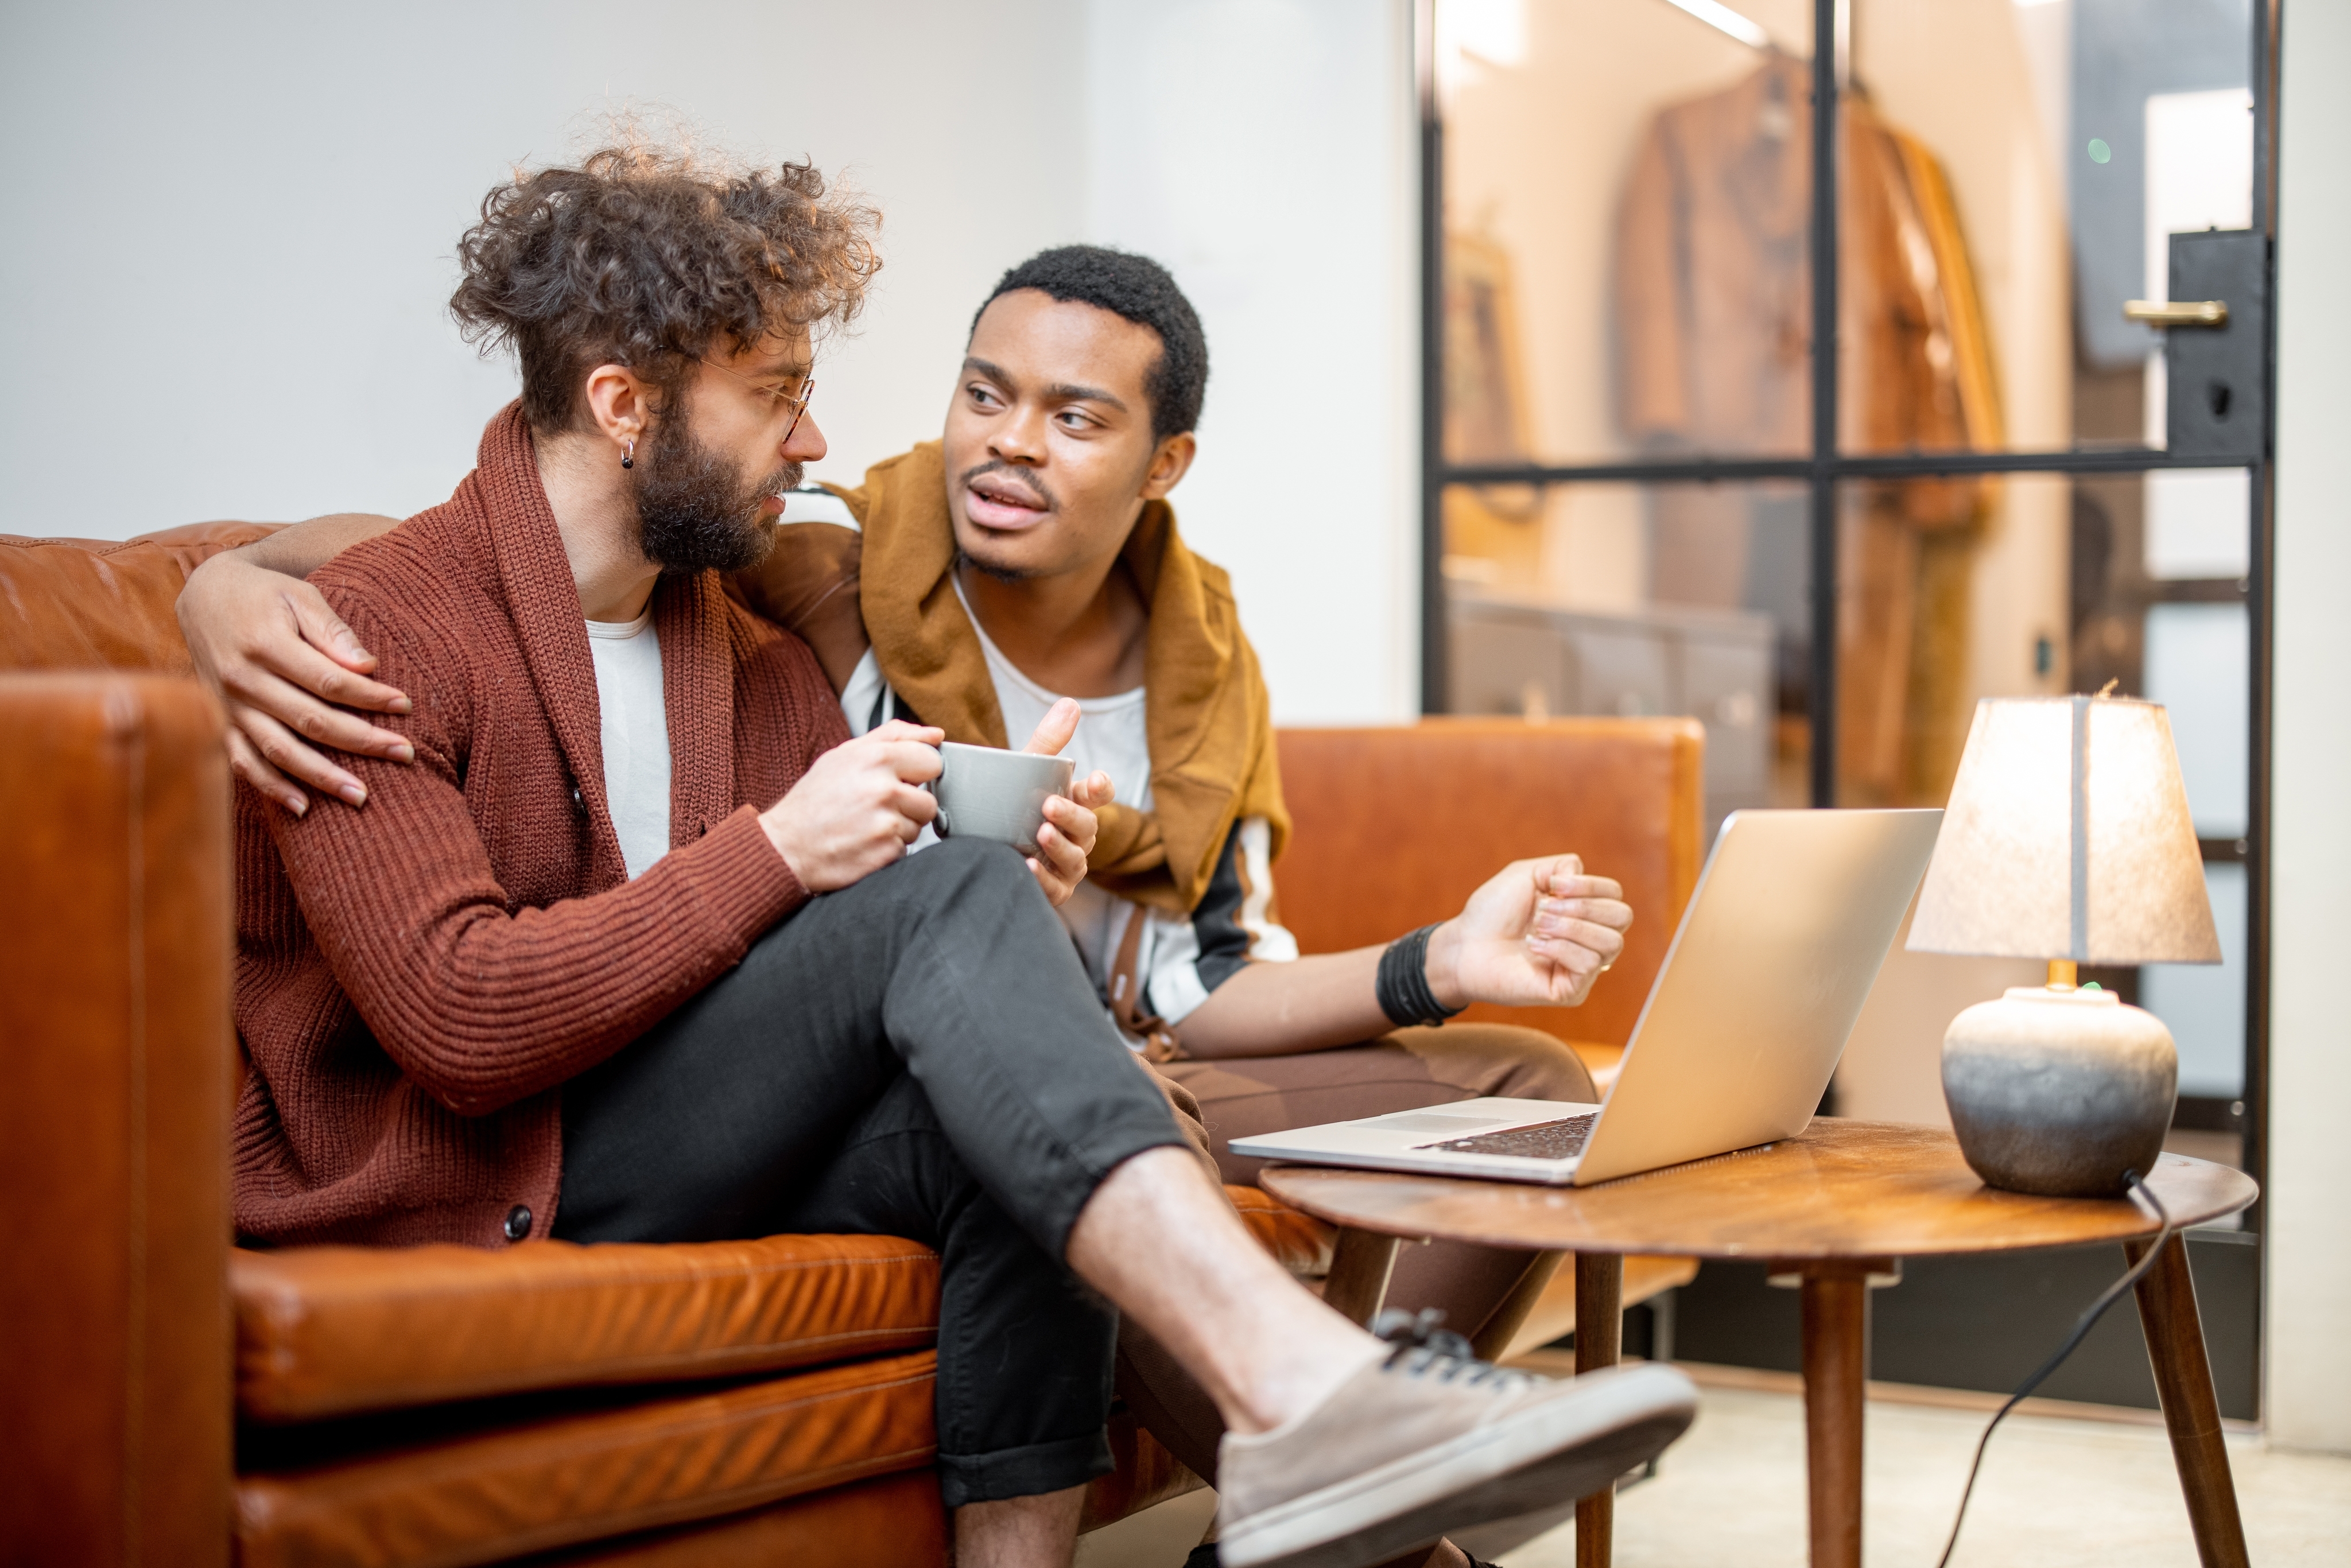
x: 2145, y: 1198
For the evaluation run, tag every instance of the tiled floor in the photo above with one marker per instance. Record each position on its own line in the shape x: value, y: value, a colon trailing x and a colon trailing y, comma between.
x: 2054, y: 1493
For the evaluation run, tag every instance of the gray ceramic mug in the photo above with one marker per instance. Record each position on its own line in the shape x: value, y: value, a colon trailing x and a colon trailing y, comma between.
x: 985, y: 793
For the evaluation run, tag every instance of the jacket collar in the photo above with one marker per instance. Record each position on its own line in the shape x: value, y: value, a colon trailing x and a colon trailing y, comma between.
x: 516, y: 533
x: 1201, y: 710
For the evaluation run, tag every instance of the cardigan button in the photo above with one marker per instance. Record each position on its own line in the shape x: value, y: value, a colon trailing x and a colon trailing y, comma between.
x: 518, y: 1223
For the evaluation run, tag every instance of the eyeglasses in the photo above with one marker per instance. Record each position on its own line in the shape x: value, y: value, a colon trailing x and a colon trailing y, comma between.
x: 778, y: 398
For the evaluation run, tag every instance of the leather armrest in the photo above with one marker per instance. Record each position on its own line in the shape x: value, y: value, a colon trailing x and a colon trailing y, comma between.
x: 115, y: 1059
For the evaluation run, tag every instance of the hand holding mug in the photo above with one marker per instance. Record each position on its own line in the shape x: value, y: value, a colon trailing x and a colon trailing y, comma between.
x: 1067, y: 835
x: 858, y: 806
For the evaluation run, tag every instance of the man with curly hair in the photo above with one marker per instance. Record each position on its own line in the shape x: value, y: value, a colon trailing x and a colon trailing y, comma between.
x: 626, y: 943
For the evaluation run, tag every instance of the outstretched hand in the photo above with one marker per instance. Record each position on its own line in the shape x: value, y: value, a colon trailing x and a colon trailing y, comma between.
x: 285, y: 666
x: 1537, y: 935
x: 1071, y: 826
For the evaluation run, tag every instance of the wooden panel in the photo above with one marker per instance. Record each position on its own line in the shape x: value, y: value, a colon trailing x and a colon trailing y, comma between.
x: 1840, y: 1189
x: 1395, y: 828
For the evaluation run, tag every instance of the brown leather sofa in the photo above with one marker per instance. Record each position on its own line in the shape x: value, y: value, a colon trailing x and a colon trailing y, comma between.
x: 171, y: 1399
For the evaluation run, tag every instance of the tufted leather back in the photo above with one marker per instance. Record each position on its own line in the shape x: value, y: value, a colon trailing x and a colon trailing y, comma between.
x: 1363, y: 866
x: 81, y: 605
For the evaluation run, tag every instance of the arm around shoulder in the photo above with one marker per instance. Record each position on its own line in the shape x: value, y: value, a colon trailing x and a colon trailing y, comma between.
x: 480, y: 1002
x: 808, y: 584
x: 285, y: 666
x: 305, y: 547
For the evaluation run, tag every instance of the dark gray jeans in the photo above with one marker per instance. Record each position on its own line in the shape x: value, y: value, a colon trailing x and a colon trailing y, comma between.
x: 918, y: 1055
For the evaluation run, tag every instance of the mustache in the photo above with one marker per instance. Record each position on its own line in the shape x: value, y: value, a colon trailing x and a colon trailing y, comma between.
x: 787, y: 477
x: 1021, y: 479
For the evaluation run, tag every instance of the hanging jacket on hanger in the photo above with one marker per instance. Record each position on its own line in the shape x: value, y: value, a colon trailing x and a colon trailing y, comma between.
x: 1713, y: 295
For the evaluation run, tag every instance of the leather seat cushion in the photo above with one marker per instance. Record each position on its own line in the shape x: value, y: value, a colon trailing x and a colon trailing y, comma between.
x: 323, y: 1332
x: 488, y: 1495
x: 895, y: 1519
x: 334, y: 1331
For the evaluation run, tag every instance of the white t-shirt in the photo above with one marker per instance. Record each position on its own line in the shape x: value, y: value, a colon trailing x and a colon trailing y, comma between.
x: 635, y: 733
x: 1179, y: 958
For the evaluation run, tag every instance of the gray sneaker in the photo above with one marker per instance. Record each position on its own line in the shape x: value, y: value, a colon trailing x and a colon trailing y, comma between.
x: 1430, y: 1440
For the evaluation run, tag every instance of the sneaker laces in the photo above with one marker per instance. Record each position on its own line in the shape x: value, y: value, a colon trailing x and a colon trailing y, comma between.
x: 1424, y: 1347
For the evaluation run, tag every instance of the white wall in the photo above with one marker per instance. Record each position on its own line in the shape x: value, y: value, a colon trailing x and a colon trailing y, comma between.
x: 231, y: 229
x: 1266, y: 151
x: 232, y: 224
x: 2308, y: 1402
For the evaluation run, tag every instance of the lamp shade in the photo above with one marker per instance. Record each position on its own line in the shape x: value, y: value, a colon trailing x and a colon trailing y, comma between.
x: 2067, y: 836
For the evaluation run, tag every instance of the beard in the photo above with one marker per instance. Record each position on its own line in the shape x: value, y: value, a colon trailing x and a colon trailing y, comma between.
x: 694, y: 512
x: 989, y: 568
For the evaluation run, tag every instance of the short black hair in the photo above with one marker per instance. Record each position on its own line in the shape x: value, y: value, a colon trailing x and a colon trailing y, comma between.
x: 1141, y: 290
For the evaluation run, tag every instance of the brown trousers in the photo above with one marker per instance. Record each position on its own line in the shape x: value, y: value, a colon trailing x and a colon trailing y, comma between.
x: 1241, y: 1097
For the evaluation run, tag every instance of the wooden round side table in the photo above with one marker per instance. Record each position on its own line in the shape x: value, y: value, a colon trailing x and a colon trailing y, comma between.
x: 1838, y: 1206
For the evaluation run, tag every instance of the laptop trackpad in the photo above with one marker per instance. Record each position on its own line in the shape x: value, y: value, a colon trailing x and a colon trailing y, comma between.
x: 1431, y: 1122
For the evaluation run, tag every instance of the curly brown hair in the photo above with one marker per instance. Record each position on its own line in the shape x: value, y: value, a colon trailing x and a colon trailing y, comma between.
x: 646, y: 255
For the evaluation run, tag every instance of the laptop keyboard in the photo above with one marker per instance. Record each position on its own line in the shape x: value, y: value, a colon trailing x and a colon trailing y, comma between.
x: 1544, y: 1141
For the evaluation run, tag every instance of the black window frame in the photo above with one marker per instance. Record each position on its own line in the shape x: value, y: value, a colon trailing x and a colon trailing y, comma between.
x: 1827, y: 468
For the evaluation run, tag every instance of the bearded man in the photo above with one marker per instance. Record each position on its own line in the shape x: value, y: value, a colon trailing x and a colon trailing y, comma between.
x: 626, y: 944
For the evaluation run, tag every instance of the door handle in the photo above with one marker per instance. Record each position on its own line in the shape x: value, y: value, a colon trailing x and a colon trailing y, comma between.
x: 2177, y: 312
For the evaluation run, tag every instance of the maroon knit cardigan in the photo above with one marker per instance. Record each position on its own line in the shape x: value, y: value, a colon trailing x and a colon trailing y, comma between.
x: 415, y: 979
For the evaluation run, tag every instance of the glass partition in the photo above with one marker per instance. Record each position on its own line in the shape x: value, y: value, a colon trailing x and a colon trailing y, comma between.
x: 1627, y: 195
x: 2052, y: 148
x: 1652, y: 486
x: 1633, y: 600
x: 1627, y: 200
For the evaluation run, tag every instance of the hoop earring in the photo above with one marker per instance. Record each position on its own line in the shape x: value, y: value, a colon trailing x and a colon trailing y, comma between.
x: 629, y: 458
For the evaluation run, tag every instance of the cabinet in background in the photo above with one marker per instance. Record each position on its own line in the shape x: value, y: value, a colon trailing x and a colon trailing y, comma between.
x: 1519, y: 657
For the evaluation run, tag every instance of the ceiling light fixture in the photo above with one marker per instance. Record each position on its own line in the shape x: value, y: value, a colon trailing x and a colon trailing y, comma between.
x: 1722, y: 19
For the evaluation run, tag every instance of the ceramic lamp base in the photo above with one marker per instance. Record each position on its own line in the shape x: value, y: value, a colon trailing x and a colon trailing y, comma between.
x: 2059, y: 1091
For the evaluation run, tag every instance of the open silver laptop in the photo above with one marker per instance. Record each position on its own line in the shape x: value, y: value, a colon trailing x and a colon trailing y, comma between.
x: 1792, y: 917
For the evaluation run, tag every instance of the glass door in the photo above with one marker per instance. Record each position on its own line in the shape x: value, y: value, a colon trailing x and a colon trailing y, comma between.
x: 1800, y: 366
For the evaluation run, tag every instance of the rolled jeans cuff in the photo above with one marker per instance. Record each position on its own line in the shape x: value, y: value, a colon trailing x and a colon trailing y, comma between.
x: 1030, y: 1471
x: 1052, y: 1208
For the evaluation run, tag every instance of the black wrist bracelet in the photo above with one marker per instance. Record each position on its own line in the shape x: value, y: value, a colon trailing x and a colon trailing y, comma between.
x: 1401, y: 984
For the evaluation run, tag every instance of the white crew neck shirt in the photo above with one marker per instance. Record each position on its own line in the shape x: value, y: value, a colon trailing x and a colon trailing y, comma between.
x: 1180, y: 957
x: 635, y: 728
x: 1112, y: 736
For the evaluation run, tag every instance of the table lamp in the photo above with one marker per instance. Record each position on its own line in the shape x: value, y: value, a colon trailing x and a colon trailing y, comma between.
x: 2067, y: 838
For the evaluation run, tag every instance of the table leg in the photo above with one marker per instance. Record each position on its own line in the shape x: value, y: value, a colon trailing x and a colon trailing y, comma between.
x: 1361, y: 1262
x: 2183, y: 1383
x: 1836, y: 1356
x: 1599, y: 1342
